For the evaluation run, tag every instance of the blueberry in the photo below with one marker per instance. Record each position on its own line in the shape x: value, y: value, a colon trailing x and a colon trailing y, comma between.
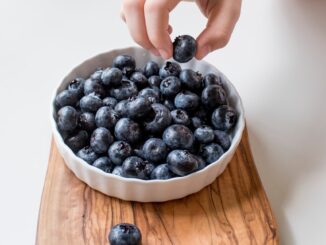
x: 77, y: 85
x: 170, y: 68
x: 125, y: 63
x: 213, y: 96
x: 90, y: 103
x: 202, y: 113
x: 180, y: 117
x: 162, y: 171
x: 155, y: 150
x: 94, y: 86
x: 110, y: 101
x: 78, y: 141
x: 190, y: 79
x: 169, y: 104
x: 186, y: 100
x: 178, y: 137
x: 149, y: 169
x: 104, y: 164
x: 138, y: 107
x: 97, y: 74
x: 170, y: 86
x: 87, y: 121
x: 212, y: 152
x: 125, y: 90
x: 224, y: 118
x: 119, y: 151
x: 121, y: 108
x: 182, y: 162
x: 65, y: 98
x: 204, y: 134
x: 117, y: 170
x: 139, y: 79
x: 106, y: 117
x: 161, y: 119
x: 67, y: 118
x: 223, y: 139
x: 212, y: 79
x: 134, y: 167
x: 153, y: 95
x: 196, y: 122
x: 151, y: 69
x: 125, y: 234
x: 184, y: 48
x: 111, y: 76
x: 127, y: 130
x: 154, y: 81
x: 101, y: 139
x: 201, y: 162
x: 87, y: 154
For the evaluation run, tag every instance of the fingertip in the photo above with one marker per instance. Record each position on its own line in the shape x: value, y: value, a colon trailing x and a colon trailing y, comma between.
x: 202, y: 52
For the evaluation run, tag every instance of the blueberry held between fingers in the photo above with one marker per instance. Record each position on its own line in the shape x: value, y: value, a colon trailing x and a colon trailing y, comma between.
x: 101, y: 139
x: 111, y: 76
x: 180, y: 117
x: 213, y: 96
x: 94, y: 86
x: 162, y: 171
x: 212, y: 79
x: 224, y: 118
x: 125, y: 63
x: 117, y: 171
x: 78, y: 141
x: 106, y: 117
x: 125, y: 234
x: 66, y: 98
x: 125, y: 90
x: 212, y: 152
x: 77, y: 85
x: 204, y: 134
x: 182, y: 162
x: 104, y: 164
x: 154, y: 81
x: 155, y: 150
x: 186, y: 100
x: 127, y: 130
x: 139, y: 79
x: 178, y: 137
x: 160, y: 120
x: 170, y: 68
x: 223, y: 139
x: 110, y: 101
x: 170, y: 86
x: 90, y: 103
x: 151, y: 69
x: 87, y: 154
x: 134, y: 167
x: 87, y: 121
x: 119, y: 151
x: 184, y: 48
x: 67, y: 118
x: 191, y: 80
x: 138, y: 107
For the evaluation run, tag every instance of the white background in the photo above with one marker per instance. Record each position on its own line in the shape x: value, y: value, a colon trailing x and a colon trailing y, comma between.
x: 276, y: 59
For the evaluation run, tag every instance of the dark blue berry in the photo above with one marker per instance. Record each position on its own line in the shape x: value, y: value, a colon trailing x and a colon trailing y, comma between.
x: 213, y: 96
x: 77, y: 85
x: 191, y: 80
x: 134, y: 167
x: 125, y: 63
x: 149, y: 169
x: 180, y: 117
x: 160, y: 120
x: 125, y: 234
x: 154, y: 81
x: 178, y: 137
x: 106, y: 117
x: 223, y: 139
x: 151, y: 69
x: 184, y: 48
x: 66, y: 98
x: 153, y: 95
x: 212, y: 79
x: 155, y: 150
x: 119, y: 151
x: 104, y: 164
x: 90, y: 103
x: 196, y: 122
x: 204, y: 134
x: 117, y: 170
x: 127, y: 130
x: 170, y: 86
x: 162, y: 171
x: 78, y: 141
x: 169, y: 104
x: 111, y: 76
x: 186, y: 100
x: 182, y: 162
x: 101, y: 139
x: 67, y: 118
x: 138, y: 107
x: 87, y: 154
x: 94, y: 86
x: 110, y: 101
x: 212, y: 152
x: 87, y: 121
x: 224, y: 118
x: 170, y: 68
x: 97, y: 74
x: 121, y: 108
x: 125, y: 90
x: 139, y: 79
x: 201, y: 162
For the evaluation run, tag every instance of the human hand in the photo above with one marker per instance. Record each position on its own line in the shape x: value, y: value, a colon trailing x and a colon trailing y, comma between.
x: 148, y: 24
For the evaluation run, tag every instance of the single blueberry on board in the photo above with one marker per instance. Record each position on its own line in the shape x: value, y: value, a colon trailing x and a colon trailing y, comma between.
x: 125, y: 234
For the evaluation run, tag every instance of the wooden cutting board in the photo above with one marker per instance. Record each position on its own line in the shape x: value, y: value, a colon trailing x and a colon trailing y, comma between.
x: 232, y: 210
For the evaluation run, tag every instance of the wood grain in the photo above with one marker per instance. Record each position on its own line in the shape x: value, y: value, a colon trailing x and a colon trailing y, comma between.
x: 232, y: 210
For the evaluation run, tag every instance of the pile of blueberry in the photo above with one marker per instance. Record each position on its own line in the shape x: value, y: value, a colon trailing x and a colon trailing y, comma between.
x: 149, y: 123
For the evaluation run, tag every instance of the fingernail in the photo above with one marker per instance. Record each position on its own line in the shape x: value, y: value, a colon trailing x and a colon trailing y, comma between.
x: 155, y: 52
x: 164, y: 53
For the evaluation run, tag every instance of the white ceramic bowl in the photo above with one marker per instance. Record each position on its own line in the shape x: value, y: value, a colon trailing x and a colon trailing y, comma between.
x: 146, y: 190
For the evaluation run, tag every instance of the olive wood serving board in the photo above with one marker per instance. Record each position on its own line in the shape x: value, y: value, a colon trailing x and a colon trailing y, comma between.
x: 234, y: 209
